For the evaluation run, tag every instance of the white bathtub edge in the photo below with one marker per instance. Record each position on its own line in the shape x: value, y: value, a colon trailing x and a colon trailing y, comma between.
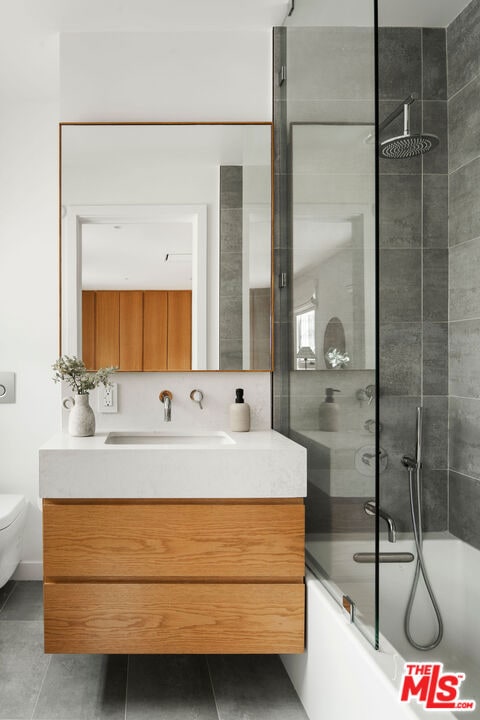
x: 340, y: 676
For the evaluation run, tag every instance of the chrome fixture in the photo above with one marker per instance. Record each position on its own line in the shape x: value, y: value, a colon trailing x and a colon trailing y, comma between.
x: 370, y: 426
x: 414, y: 467
x: 383, y: 557
x: 197, y: 397
x: 367, y: 457
x: 166, y: 398
x: 371, y: 508
x: 408, y: 145
x: 366, y: 460
x: 368, y: 393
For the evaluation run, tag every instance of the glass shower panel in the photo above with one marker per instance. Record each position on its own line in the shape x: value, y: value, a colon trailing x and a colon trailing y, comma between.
x: 330, y: 123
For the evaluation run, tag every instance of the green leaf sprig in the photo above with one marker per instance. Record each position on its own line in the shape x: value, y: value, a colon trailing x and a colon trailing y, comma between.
x: 72, y: 370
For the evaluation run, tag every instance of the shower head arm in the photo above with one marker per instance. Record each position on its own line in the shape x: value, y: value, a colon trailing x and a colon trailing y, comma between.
x: 403, y: 107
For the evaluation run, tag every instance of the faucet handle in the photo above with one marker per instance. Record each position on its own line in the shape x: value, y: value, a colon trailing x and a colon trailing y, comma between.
x: 197, y: 396
x: 164, y: 394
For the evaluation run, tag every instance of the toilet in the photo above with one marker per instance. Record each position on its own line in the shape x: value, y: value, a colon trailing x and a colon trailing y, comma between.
x: 13, y: 511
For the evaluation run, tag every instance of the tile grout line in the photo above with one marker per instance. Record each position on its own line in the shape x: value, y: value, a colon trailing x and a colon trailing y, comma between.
x: 41, y: 687
x: 213, y: 689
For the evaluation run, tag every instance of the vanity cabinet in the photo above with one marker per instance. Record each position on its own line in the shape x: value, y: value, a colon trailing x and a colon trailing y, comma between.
x: 174, y: 576
x: 137, y: 330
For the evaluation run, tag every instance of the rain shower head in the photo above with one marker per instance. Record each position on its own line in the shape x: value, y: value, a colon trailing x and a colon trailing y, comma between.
x: 407, y: 145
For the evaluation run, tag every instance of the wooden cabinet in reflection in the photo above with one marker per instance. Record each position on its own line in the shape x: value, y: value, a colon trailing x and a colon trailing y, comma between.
x: 135, y: 330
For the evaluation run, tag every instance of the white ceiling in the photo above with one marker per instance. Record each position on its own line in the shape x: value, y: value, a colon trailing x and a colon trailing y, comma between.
x: 399, y: 13
x: 53, y: 16
x: 141, y: 15
x: 420, y: 13
x: 132, y: 256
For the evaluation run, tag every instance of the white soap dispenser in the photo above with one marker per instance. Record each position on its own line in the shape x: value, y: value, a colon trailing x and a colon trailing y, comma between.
x: 239, y: 413
x: 328, y: 414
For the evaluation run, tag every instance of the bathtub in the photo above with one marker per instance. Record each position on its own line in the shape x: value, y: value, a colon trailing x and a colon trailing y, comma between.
x: 340, y: 676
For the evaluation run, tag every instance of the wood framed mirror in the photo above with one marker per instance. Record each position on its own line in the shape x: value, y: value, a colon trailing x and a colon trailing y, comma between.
x: 166, y: 245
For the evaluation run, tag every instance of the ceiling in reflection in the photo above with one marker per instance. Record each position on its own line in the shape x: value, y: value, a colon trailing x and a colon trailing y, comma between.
x: 359, y: 13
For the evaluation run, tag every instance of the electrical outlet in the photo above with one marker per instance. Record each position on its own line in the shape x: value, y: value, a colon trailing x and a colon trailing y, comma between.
x: 107, y: 399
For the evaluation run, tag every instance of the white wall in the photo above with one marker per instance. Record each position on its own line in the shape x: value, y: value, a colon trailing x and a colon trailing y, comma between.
x: 221, y: 75
x: 166, y: 76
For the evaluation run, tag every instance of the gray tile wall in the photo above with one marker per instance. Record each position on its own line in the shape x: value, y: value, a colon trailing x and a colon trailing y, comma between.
x: 414, y: 273
x: 463, y: 43
x: 230, y: 298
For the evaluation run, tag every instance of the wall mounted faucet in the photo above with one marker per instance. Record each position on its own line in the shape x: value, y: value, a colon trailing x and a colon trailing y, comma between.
x: 166, y: 398
x: 370, y: 508
x: 197, y: 397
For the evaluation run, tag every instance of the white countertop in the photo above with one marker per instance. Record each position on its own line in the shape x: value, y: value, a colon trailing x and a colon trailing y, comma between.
x: 258, y: 464
x: 350, y: 439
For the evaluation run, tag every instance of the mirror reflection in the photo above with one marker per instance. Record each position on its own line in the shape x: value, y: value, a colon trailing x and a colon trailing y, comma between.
x: 333, y: 246
x: 166, y: 245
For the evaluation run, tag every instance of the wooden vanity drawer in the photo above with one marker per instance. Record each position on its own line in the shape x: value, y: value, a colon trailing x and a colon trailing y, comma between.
x: 174, y: 617
x: 173, y: 539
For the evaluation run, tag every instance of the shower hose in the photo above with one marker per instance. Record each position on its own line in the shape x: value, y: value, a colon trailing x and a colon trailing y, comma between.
x: 414, y: 479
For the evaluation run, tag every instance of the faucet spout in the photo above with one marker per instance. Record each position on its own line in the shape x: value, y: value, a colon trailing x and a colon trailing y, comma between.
x: 370, y: 508
x: 166, y: 398
x: 167, y: 404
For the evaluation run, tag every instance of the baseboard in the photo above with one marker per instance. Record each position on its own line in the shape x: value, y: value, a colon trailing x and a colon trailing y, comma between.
x: 29, y: 570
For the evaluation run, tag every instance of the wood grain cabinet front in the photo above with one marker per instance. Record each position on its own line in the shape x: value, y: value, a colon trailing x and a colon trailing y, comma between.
x: 160, y: 576
x: 137, y: 330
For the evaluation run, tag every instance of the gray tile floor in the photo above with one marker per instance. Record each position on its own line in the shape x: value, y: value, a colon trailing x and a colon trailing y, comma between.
x: 136, y: 687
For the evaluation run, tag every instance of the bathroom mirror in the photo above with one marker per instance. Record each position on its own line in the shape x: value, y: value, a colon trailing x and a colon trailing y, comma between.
x: 333, y: 175
x: 166, y: 245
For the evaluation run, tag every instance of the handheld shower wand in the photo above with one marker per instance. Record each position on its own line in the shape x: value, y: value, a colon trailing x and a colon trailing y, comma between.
x: 414, y: 467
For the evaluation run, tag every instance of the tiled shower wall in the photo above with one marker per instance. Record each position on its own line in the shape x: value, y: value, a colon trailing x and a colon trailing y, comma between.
x: 463, y: 43
x: 231, y: 259
x: 414, y: 273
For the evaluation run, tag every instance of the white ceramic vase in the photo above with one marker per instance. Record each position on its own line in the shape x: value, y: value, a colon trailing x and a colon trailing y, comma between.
x: 81, y: 422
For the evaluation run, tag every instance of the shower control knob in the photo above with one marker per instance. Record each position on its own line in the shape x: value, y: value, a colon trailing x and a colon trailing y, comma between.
x: 369, y: 426
x: 365, y: 460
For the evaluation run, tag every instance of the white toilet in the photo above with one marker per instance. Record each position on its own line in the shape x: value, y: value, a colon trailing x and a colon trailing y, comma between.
x: 13, y: 511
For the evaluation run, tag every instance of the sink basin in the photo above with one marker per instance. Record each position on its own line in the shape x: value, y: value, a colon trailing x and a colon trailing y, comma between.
x: 192, y: 439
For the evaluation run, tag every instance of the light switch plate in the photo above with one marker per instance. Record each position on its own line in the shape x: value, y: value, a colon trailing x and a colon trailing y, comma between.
x: 7, y: 387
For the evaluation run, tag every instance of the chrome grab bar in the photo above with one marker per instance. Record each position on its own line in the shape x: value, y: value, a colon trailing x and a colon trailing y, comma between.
x: 384, y: 557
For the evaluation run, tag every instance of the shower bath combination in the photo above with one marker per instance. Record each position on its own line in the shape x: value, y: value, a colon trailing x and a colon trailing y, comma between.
x: 408, y: 145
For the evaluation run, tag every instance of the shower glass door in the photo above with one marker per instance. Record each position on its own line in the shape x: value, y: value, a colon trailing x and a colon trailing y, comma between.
x: 326, y: 111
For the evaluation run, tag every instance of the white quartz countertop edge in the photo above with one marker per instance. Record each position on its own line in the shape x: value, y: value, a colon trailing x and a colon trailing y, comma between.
x: 270, y: 466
